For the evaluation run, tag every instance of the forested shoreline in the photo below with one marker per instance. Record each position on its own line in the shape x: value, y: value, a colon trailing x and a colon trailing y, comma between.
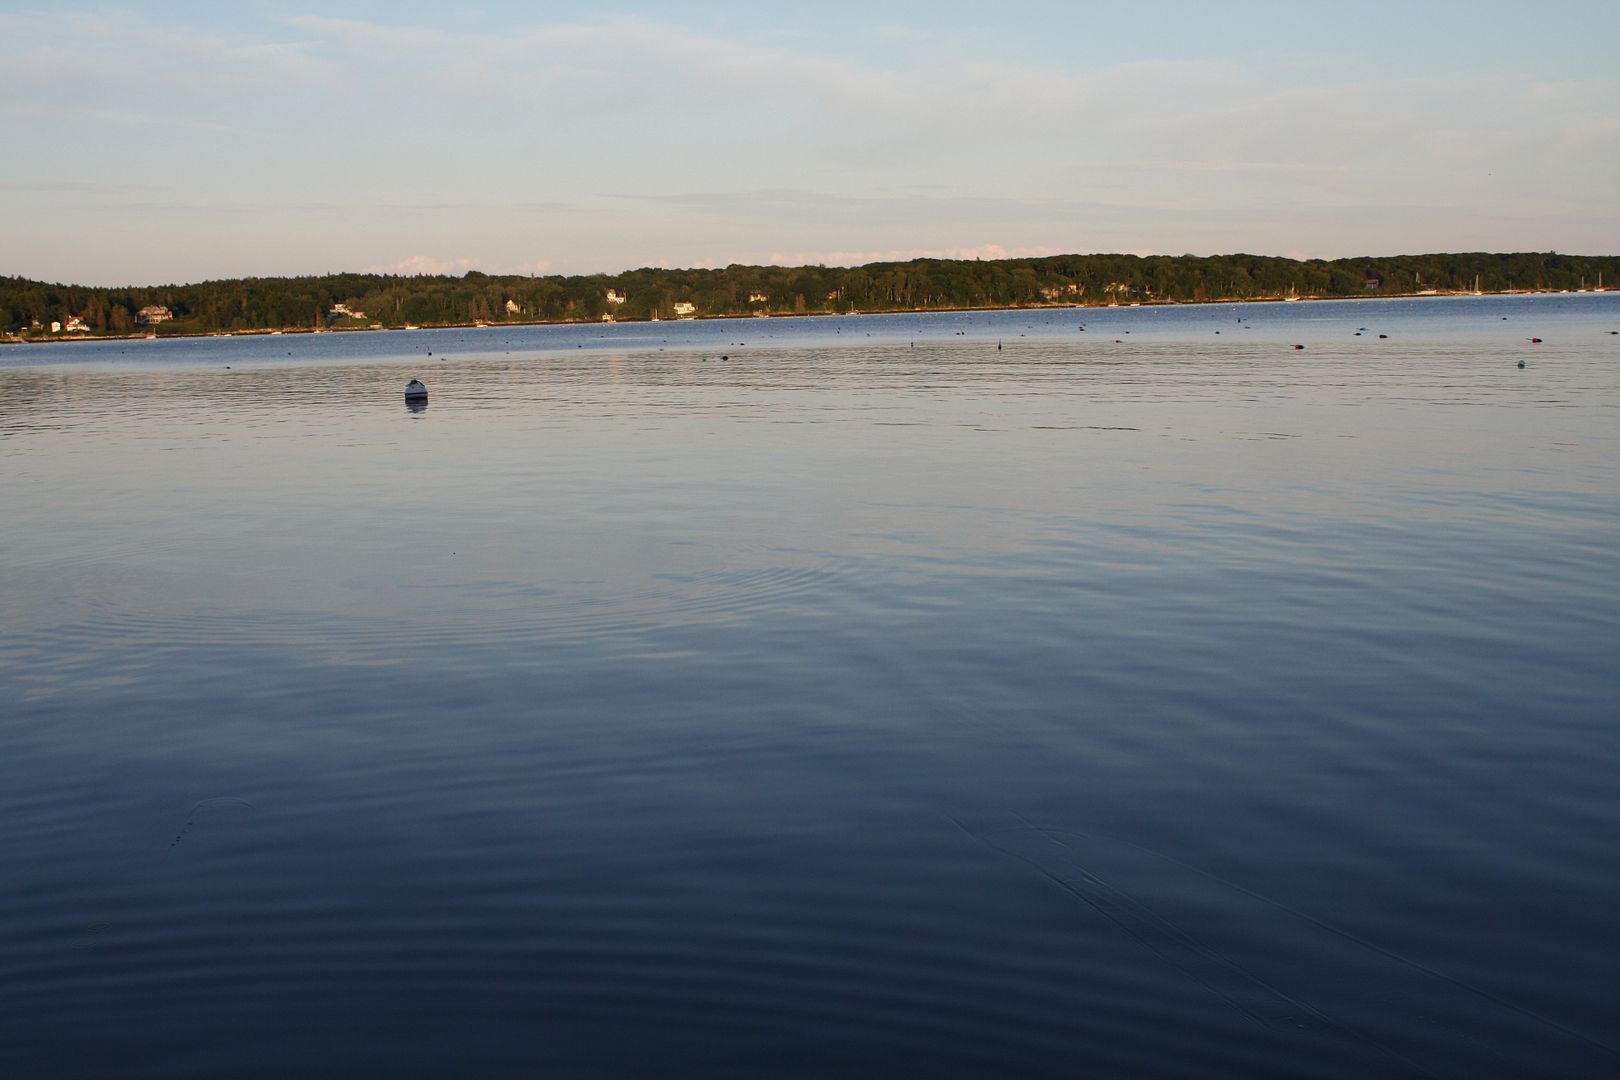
x: 33, y: 310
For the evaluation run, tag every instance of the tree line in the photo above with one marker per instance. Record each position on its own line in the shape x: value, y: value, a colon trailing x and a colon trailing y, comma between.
x: 343, y: 301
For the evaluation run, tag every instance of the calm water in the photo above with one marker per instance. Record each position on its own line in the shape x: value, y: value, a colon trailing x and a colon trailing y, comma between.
x: 1136, y: 700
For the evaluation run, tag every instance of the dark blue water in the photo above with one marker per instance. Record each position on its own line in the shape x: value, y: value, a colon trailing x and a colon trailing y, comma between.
x: 874, y: 701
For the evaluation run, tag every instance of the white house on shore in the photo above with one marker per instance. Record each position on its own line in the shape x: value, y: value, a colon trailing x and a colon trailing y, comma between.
x: 685, y: 307
x: 614, y: 296
x: 152, y: 314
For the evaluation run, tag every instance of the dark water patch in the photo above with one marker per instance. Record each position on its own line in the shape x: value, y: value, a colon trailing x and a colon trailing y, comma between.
x: 1353, y: 997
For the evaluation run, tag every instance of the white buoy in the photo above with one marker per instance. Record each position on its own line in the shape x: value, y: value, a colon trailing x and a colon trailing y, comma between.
x: 415, y: 391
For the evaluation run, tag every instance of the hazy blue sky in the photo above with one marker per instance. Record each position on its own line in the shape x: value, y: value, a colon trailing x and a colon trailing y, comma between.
x: 149, y: 143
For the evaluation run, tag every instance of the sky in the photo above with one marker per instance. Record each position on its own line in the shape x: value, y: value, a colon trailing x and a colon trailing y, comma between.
x: 180, y: 142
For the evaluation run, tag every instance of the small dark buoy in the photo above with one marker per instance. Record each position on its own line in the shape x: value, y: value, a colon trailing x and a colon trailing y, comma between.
x: 1521, y: 363
x: 1299, y: 346
x: 725, y: 358
x: 1381, y: 337
x: 1535, y: 341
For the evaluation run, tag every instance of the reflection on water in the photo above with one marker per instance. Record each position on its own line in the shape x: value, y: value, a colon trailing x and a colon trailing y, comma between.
x: 1177, y: 707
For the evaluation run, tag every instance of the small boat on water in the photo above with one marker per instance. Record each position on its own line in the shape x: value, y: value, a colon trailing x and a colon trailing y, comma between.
x: 415, y: 391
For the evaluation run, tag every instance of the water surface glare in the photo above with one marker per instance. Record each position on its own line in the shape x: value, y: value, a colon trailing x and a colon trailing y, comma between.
x: 953, y: 695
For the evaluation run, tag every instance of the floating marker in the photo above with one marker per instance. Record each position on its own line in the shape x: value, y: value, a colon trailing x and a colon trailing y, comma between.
x: 415, y: 391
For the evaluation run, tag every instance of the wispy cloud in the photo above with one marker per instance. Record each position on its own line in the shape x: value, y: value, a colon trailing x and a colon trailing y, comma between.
x: 181, y: 122
x: 460, y: 264
x: 798, y: 205
x: 426, y: 264
x: 1230, y: 167
x: 106, y: 55
x: 82, y: 187
x: 860, y: 258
